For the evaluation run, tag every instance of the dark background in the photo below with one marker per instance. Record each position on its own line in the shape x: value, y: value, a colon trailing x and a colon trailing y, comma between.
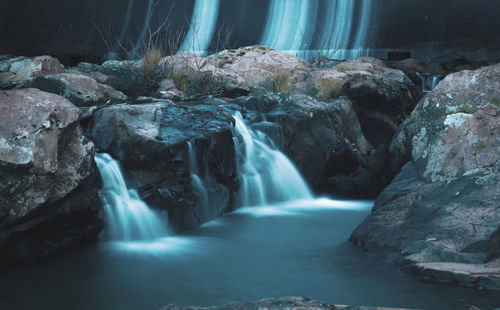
x: 66, y: 28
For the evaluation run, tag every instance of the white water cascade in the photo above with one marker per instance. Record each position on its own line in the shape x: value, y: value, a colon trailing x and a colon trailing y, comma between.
x: 128, y: 217
x: 292, y: 26
x: 267, y: 175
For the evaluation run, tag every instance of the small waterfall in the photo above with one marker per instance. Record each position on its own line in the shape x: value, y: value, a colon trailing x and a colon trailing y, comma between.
x: 128, y: 217
x: 267, y: 175
x: 196, y: 181
x: 429, y: 82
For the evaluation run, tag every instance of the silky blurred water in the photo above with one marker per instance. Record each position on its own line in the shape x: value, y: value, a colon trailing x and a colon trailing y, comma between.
x: 297, y: 248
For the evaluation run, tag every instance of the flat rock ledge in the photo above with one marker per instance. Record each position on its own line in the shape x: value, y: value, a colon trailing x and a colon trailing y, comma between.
x: 473, y: 275
x: 287, y: 303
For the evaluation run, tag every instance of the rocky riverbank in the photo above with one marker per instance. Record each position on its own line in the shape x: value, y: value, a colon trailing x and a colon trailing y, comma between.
x: 292, y: 303
x: 335, y: 120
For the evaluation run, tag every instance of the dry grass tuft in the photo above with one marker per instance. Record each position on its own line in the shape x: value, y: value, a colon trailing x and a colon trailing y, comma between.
x: 344, y: 68
x: 150, y: 61
x: 330, y: 88
x: 149, y: 68
x: 282, y: 81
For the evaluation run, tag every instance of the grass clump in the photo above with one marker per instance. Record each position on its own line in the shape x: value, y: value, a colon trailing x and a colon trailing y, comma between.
x: 344, y: 67
x: 150, y: 61
x: 282, y: 81
x: 180, y: 80
x: 330, y: 88
x: 149, y: 67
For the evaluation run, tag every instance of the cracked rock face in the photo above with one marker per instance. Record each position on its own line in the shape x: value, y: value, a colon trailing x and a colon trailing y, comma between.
x: 444, y: 204
x: 44, y: 158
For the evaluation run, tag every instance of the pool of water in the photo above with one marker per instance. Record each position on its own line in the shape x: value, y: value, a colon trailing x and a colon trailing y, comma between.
x: 294, y: 249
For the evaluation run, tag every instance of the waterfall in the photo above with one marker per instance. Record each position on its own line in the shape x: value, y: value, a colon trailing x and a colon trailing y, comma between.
x: 341, y: 27
x: 196, y: 181
x: 429, y: 82
x: 266, y: 174
x: 202, y: 27
x: 128, y: 217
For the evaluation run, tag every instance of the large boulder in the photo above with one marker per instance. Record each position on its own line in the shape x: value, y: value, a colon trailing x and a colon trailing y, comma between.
x: 46, y: 178
x: 81, y: 90
x: 202, y: 75
x: 324, y: 140
x: 439, y: 214
x: 257, y: 65
x: 17, y: 72
x: 152, y: 143
x: 382, y: 96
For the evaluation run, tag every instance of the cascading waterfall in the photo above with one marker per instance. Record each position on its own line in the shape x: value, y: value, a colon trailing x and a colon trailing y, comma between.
x: 267, y: 175
x: 128, y: 217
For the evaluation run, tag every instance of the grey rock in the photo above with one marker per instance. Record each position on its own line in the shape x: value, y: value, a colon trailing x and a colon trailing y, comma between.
x: 81, y: 90
x: 47, y: 170
x: 17, y: 72
x: 443, y: 205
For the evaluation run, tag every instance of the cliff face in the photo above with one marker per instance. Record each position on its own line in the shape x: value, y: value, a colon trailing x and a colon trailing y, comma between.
x: 90, y: 29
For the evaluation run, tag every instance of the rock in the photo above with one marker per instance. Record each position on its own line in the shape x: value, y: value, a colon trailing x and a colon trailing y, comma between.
x: 257, y: 65
x: 168, y: 91
x: 81, y: 90
x: 493, y: 247
x: 443, y: 205
x: 18, y: 71
x: 294, y: 303
x: 324, y: 140
x: 472, y: 275
x: 124, y: 76
x: 412, y: 68
x: 47, y: 171
x: 202, y: 75
x: 151, y: 142
x: 318, y: 134
x: 382, y: 96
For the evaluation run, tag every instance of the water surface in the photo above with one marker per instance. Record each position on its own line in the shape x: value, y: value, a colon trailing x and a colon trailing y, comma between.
x: 293, y: 249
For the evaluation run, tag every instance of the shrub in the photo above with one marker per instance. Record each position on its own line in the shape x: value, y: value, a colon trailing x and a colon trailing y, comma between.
x: 282, y: 81
x: 330, y: 88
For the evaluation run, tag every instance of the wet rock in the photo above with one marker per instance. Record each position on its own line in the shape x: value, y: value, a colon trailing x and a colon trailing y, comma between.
x: 16, y: 72
x: 294, y: 303
x: 324, y: 140
x: 443, y: 205
x: 47, y: 171
x: 316, y: 133
x: 151, y: 143
x: 81, y: 90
